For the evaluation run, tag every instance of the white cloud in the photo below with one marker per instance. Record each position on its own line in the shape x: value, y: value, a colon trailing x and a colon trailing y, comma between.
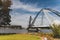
x: 23, y: 19
x: 57, y: 22
x: 19, y: 5
x: 20, y: 19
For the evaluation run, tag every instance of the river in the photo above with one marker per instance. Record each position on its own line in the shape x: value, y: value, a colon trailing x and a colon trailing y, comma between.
x: 10, y: 30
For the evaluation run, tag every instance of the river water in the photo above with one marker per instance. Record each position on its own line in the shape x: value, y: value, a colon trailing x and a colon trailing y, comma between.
x: 10, y: 30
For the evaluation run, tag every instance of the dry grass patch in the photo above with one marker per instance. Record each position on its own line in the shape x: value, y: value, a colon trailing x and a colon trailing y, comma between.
x: 19, y: 37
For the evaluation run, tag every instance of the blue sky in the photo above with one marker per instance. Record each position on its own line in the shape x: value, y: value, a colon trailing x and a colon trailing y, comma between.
x: 22, y: 9
x: 42, y: 3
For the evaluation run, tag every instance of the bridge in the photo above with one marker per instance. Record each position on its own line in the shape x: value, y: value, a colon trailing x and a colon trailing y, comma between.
x: 46, y: 14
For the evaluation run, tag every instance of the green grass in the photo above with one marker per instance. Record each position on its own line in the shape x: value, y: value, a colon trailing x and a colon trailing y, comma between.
x: 19, y: 37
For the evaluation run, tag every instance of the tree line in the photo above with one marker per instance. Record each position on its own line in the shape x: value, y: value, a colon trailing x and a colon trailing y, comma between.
x: 5, y: 17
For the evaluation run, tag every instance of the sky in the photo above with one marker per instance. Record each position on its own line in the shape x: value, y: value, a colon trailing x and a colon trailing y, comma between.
x: 23, y: 9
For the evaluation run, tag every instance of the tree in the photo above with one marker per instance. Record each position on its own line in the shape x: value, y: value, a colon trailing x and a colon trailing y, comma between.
x: 4, y: 13
x: 0, y: 3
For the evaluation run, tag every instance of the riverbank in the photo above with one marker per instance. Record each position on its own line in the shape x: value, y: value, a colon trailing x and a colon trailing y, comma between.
x: 28, y: 36
x: 20, y: 37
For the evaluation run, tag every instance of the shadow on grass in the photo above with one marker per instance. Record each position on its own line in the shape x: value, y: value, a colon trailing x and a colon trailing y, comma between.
x: 7, y: 33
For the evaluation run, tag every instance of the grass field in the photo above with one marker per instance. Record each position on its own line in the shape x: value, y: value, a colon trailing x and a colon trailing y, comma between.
x: 19, y: 37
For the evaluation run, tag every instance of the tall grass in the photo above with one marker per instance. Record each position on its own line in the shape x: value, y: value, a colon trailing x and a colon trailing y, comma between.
x: 56, y: 30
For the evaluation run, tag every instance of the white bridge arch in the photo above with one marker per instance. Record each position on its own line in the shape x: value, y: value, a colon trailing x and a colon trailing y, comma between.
x: 44, y: 13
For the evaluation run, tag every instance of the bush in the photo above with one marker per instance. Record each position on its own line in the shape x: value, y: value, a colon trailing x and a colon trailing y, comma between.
x: 56, y: 30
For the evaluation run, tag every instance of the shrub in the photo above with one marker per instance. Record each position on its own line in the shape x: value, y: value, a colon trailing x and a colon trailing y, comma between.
x: 56, y: 30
